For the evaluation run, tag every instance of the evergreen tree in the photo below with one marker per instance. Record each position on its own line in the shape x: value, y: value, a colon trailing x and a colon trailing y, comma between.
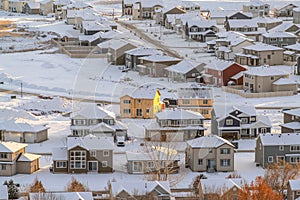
x: 13, y: 190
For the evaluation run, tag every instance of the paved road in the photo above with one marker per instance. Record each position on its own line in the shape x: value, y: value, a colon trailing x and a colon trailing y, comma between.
x: 145, y: 37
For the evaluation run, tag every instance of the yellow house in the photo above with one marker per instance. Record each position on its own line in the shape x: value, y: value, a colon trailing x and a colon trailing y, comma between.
x: 140, y: 104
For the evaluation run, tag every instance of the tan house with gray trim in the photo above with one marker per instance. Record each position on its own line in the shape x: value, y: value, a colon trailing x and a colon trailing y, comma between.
x: 14, y: 159
x: 268, y: 79
x: 260, y: 54
x: 84, y: 155
x: 210, y: 153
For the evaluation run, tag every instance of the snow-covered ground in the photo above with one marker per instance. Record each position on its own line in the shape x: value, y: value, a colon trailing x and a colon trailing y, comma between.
x: 48, y: 73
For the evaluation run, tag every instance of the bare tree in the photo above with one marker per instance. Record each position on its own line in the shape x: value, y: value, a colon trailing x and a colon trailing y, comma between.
x: 277, y: 175
x: 75, y: 186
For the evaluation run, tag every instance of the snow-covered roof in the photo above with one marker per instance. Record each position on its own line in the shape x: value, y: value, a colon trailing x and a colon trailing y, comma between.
x: 143, y: 92
x: 201, y: 23
x: 280, y: 34
x: 102, y: 127
x: 63, y: 195
x: 94, y: 26
x: 110, y: 34
x: 230, y: 34
x: 34, y: 5
x: 291, y: 125
x: 139, y: 187
x: 245, y: 109
x: 60, y: 153
x: 238, y: 75
x: 223, y: 110
x: 61, y: 2
x: 267, y: 20
x: 294, y: 185
x: 115, y: 43
x: 208, y: 141
x: 269, y: 139
x: 183, y: 67
x: 295, y: 112
x: 89, y: 38
x: 285, y: 81
x: 152, y: 155
x: 149, y: 4
x: 76, y: 4
x: 92, y: 111
x: 241, y: 23
x: 177, y: 114
x: 221, y: 13
x: 28, y: 157
x: 159, y: 58
x: 10, y: 147
x: 214, y: 185
x: 13, y: 126
x: 3, y: 192
x: 90, y: 142
x: 143, y: 51
x: 264, y: 71
x: 262, y: 47
x: 295, y: 47
x: 220, y: 65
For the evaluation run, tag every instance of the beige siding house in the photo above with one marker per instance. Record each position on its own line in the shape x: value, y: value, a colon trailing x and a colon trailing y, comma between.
x: 210, y: 153
x: 260, y: 54
x: 116, y: 51
x: 268, y: 79
x: 15, y: 160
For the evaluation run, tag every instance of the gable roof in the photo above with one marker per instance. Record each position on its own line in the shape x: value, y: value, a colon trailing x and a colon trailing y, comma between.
x: 264, y: 71
x: 270, y: 139
x: 201, y: 23
x: 177, y: 114
x: 140, y: 187
x: 28, y: 157
x: 183, y: 67
x: 221, y: 65
x: 13, y: 126
x: 295, y: 47
x: 60, y: 153
x: 10, y: 147
x: 90, y: 142
x: 285, y: 81
x: 143, y: 92
x: 159, y: 58
x: 34, y: 5
x: 294, y: 185
x: 295, y: 112
x: 213, y: 185
x: 143, y: 51
x: 222, y: 111
x: 208, y: 141
x: 280, y: 34
x: 262, y: 47
x: 92, y: 111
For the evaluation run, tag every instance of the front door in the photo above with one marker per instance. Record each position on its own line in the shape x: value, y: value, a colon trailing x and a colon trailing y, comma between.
x: 210, y: 164
x: 163, y: 137
x: 93, y: 166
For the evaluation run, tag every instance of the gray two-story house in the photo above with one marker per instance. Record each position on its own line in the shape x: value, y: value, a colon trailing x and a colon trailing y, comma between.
x: 291, y: 120
x: 273, y: 148
x: 92, y: 119
x: 83, y: 155
x: 238, y: 121
x: 210, y: 153
x: 175, y: 125
x: 280, y: 39
x: 201, y: 30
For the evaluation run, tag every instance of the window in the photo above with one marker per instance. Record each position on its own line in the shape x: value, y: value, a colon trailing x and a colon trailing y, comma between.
x: 252, y: 119
x: 3, y: 167
x: 126, y: 101
x: 77, y: 159
x: 225, y: 162
x: 244, y: 120
x: 104, y: 164
x: 272, y: 78
x: 263, y: 130
x: 246, y: 84
x: 295, y: 148
x: 270, y: 159
x: 93, y: 153
x: 294, y: 159
x: 269, y: 57
x: 229, y: 122
x: 281, y: 148
x: 200, y: 162
x: 3, y: 155
x: 147, y: 111
x: 298, y: 192
x: 105, y: 153
x: 205, y: 101
x: 225, y: 151
x: 185, y: 101
x: 139, y: 112
x: 150, y: 165
x: 79, y: 122
x: 61, y: 164
x: 280, y: 159
x: 139, y: 101
x: 126, y: 111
